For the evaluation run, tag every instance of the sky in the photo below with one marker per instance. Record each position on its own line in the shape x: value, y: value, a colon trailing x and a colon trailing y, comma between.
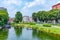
x: 27, y: 7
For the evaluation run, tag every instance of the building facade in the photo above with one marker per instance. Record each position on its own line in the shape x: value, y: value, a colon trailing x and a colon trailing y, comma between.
x: 27, y: 19
x: 11, y: 20
x: 57, y: 6
x: 31, y: 19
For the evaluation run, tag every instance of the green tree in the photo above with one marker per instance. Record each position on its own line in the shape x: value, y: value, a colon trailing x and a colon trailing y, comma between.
x: 45, y: 16
x: 34, y: 16
x: 42, y: 15
x: 55, y: 14
x: 4, y: 17
x: 18, y: 17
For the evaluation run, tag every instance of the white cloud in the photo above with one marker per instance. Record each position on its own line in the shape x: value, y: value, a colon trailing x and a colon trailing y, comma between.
x: 12, y: 12
x: 25, y: 9
x: 10, y: 2
x: 28, y: 7
x: 58, y: 1
x: 34, y: 3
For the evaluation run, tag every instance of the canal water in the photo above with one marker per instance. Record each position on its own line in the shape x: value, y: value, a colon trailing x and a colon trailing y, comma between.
x: 25, y: 34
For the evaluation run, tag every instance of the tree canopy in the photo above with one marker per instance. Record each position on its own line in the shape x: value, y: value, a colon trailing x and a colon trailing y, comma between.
x: 47, y: 15
x: 4, y: 17
x: 34, y: 16
x: 18, y: 17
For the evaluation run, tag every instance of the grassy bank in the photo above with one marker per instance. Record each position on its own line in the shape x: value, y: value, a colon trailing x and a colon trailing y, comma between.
x: 53, y: 29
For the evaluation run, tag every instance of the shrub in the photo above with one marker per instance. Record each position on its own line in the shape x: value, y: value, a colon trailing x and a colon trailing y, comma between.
x: 24, y: 22
x: 34, y: 27
x: 12, y: 24
x: 32, y: 23
x: 47, y: 25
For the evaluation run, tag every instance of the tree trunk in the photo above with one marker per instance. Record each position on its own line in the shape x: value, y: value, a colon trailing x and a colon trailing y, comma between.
x: 56, y: 20
x: 46, y: 21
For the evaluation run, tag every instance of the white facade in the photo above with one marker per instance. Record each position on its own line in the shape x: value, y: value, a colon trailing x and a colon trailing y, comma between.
x: 27, y: 19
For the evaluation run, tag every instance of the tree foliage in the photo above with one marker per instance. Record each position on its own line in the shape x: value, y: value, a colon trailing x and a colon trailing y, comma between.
x: 18, y: 17
x: 4, y: 17
x: 53, y: 14
x: 34, y: 16
x: 42, y: 15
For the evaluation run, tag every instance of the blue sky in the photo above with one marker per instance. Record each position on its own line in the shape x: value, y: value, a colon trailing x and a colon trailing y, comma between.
x: 27, y: 7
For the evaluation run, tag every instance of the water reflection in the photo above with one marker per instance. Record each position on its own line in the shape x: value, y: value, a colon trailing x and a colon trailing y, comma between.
x: 3, y: 34
x: 24, y: 34
x: 12, y: 34
x: 44, y: 36
x: 34, y: 34
x: 18, y: 31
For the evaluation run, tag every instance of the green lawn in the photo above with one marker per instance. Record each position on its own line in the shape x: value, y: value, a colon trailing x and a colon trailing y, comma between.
x: 54, y: 29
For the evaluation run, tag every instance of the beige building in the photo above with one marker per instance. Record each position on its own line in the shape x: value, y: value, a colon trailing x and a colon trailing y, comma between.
x: 27, y: 19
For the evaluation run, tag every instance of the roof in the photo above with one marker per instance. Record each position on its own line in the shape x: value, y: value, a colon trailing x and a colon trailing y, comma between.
x: 56, y: 5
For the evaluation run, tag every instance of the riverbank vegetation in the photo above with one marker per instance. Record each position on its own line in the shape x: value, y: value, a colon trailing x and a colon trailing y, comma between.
x: 18, y: 17
x: 46, y: 27
x: 4, y: 17
x: 49, y: 19
x: 47, y: 16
